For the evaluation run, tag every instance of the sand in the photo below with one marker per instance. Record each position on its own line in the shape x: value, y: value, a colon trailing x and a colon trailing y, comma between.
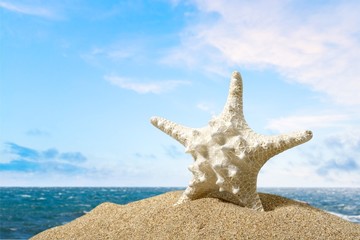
x: 207, y: 218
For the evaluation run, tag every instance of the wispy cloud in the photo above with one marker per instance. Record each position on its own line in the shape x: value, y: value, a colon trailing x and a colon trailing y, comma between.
x: 147, y: 87
x: 24, y: 159
x: 317, y: 45
x: 37, y: 132
x: 23, y: 152
x: 309, y: 122
x: 347, y: 165
x: 173, y: 151
x: 115, y: 53
x: 337, y: 156
x: 29, y: 9
x: 72, y: 157
x: 206, y: 107
x: 145, y: 156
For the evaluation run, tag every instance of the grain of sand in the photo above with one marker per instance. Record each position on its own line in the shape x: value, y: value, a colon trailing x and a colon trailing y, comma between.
x: 207, y: 218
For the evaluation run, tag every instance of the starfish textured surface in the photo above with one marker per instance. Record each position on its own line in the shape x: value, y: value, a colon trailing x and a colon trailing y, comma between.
x: 228, y: 154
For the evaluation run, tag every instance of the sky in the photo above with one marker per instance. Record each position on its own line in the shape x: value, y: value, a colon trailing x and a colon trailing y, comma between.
x: 80, y: 80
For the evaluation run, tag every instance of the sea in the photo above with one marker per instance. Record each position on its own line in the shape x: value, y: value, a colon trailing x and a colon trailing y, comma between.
x: 26, y: 211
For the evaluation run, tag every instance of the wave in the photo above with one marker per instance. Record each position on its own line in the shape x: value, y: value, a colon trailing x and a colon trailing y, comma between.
x: 350, y: 218
x: 25, y: 196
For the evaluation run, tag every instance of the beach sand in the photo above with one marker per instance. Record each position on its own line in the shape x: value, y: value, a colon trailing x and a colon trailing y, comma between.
x: 207, y: 218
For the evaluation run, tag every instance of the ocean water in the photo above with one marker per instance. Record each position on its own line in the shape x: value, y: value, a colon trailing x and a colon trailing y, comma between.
x: 25, y: 212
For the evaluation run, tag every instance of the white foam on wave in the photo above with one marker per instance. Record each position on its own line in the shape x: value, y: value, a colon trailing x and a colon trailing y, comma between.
x: 350, y: 218
x: 25, y: 196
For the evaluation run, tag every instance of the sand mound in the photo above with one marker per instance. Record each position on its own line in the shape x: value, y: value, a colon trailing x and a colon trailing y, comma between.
x: 156, y: 218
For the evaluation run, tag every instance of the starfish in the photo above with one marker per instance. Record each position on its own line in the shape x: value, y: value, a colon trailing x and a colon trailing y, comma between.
x: 228, y: 154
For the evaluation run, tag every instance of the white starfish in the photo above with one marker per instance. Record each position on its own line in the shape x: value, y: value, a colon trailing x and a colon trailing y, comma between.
x: 228, y: 154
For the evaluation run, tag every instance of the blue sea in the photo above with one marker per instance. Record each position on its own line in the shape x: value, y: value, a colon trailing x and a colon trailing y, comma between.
x: 25, y: 212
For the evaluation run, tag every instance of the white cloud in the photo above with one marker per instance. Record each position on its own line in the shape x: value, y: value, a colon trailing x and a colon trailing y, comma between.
x: 317, y: 45
x: 206, y: 107
x: 29, y: 10
x: 336, y: 158
x: 148, y: 87
x: 290, y: 123
x: 112, y: 52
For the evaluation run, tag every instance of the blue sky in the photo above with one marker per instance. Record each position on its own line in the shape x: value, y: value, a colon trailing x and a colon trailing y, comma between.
x: 79, y: 81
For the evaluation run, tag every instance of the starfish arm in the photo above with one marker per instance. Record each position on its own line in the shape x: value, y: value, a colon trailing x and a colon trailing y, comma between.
x: 177, y: 131
x: 286, y: 141
x: 233, y: 109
